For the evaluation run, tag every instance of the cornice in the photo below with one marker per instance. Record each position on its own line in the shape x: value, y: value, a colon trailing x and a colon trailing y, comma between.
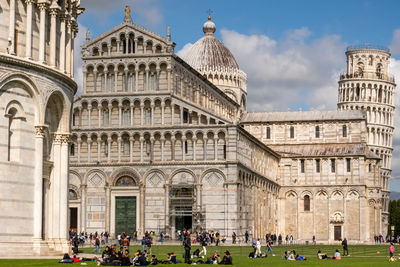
x: 32, y: 65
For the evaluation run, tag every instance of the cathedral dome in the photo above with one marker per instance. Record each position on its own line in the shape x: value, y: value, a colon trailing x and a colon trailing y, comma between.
x: 209, y: 53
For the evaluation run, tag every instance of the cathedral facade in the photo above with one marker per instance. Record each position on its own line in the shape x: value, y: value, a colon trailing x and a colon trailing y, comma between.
x: 160, y: 143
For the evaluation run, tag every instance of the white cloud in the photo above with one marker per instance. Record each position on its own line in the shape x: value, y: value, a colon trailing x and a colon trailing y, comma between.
x: 289, y: 73
x: 395, y: 45
x: 181, y: 53
x: 79, y: 41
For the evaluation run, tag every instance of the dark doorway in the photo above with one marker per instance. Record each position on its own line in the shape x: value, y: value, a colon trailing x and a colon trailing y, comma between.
x: 183, y: 222
x: 338, y: 232
x: 125, y: 215
x: 73, y: 218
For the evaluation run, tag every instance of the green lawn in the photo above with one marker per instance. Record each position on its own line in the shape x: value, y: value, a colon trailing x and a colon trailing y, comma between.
x: 361, y: 255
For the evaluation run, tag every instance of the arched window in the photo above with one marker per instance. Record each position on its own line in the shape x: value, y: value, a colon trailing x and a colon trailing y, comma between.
x: 344, y: 131
x: 126, y: 147
x: 72, y: 150
x: 302, y: 165
x: 268, y: 134
x: 148, y: 116
x: 106, y: 148
x: 152, y: 81
x: 12, y: 135
x: 72, y: 195
x: 126, y: 117
x: 125, y: 181
x: 148, y: 147
x: 306, y: 203
x: 103, y: 79
x: 291, y: 132
x: 316, y: 131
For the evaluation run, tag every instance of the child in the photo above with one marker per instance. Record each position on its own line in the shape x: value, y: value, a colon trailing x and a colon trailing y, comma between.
x: 391, y: 249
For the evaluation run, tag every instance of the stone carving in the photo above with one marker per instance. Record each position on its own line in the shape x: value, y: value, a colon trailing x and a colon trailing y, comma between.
x: 95, y: 180
x: 337, y: 217
x: 155, y: 179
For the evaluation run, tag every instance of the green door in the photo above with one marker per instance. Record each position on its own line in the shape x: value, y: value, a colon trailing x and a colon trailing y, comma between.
x: 125, y: 215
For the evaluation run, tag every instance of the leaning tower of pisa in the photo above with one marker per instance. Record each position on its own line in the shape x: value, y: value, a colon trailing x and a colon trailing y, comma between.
x: 368, y: 86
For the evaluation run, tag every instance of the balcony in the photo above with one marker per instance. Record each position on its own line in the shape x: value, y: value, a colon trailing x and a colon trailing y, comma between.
x: 367, y: 46
x: 368, y: 75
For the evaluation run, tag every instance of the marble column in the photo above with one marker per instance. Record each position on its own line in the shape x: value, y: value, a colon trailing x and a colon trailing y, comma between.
x: 152, y: 114
x: 64, y: 188
x: 98, y: 149
x: 115, y: 81
x: 108, y: 207
x: 68, y: 48
x: 141, y: 148
x: 119, y: 148
x: 183, y: 148
x: 11, y: 32
x: 147, y: 79
x: 166, y: 205
x: 42, y: 32
x: 55, y: 188
x: 162, y: 140
x: 169, y: 80
x: 89, y: 143
x: 136, y: 80
x: 83, y: 207
x: 109, y: 140
x: 109, y: 114
x: 53, y: 29
x: 79, y: 149
x: 28, y: 34
x: 120, y: 115
x: 141, y: 114
x: 84, y: 78
x: 162, y: 112
x: 38, y: 182
x: 131, y: 140
x: 72, y: 57
x: 132, y: 114
x: 62, y: 44
x: 194, y: 147
x: 99, y: 115
x: 95, y: 81
x: 90, y: 115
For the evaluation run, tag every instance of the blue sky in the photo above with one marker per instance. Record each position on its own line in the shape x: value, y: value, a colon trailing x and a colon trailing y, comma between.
x: 291, y: 50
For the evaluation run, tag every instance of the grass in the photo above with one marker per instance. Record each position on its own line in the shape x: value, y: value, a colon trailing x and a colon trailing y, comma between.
x: 361, y: 255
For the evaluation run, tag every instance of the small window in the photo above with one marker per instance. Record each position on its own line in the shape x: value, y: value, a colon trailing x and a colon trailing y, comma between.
x: 348, y: 166
x: 186, y: 147
x: 291, y: 132
x: 316, y: 131
x: 333, y: 165
x: 148, y: 147
x: 73, y: 119
x: 185, y: 117
x: 106, y: 148
x: 72, y: 150
x: 268, y: 134
x: 369, y: 167
x: 224, y: 150
x: 126, y: 147
x: 317, y: 165
x: 344, y: 131
x: 306, y: 203
x: 302, y: 167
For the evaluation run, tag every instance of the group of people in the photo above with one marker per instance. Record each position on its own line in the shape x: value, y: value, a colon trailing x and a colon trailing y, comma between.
x: 256, y: 244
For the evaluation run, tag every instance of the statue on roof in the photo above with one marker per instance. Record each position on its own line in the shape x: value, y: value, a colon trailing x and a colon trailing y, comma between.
x: 127, y: 14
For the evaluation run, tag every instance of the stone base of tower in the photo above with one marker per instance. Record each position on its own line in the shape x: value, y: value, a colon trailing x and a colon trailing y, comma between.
x: 34, y: 248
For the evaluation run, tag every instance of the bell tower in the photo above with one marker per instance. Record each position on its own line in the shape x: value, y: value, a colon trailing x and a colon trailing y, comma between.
x: 368, y: 86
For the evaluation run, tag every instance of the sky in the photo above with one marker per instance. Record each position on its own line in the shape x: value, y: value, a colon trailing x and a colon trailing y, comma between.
x: 291, y: 50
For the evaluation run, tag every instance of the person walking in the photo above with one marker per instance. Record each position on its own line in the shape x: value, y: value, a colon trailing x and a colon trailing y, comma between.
x: 187, y: 245
x: 391, y: 250
x: 345, y: 248
x: 203, y: 243
x: 97, y: 245
x: 269, y: 247
x: 258, y: 249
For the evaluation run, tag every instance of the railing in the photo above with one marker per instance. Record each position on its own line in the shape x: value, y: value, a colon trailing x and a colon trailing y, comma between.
x: 367, y: 46
x: 368, y: 75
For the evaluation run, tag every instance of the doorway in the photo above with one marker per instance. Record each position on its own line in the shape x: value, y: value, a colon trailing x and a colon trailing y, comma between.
x: 338, y: 232
x: 73, y: 219
x: 183, y: 223
x: 125, y: 215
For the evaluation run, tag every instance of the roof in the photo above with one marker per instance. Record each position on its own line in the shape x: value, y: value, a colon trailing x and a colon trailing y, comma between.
x: 209, y: 53
x: 314, y: 115
x: 324, y: 150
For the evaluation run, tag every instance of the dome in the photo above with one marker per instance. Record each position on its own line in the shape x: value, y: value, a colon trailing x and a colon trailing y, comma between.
x: 209, y: 53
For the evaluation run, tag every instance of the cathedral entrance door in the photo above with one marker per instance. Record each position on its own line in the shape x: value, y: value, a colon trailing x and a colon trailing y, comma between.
x: 125, y: 215
x: 183, y: 218
x: 338, y: 232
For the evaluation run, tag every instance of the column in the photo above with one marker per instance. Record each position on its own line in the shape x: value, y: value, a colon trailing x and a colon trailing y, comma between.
x: 136, y: 80
x: 147, y: 79
x: 62, y: 46
x: 11, y: 34
x: 108, y: 207
x: 126, y: 79
x: 79, y: 149
x: 42, y: 32
x: 99, y: 115
x: 120, y: 115
x: 98, y: 148
x: 115, y: 81
x: 84, y: 78
x: 132, y: 115
x: 109, y: 113
x: 68, y: 48
x: 118, y: 45
x: 83, y: 207
x: 63, y: 186
x: 141, y: 113
x: 141, y: 148
x: 72, y: 57
x: 162, y: 140
x: 55, y: 188
x: 172, y: 113
x: 131, y: 149
x: 95, y: 80
x: 194, y: 139
x: 119, y: 148
x: 105, y: 80
x: 109, y: 140
x: 158, y: 79
x: 151, y: 148
x: 172, y: 148
x: 89, y: 143
x: 169, y: 79
x: 28, y: 35
x: 142, y: 189
x: 152, y: 114
x: 136, y: 41
x: 216, y: 148
x: 53, y: 28
x: 38, y: 182
x: 166, y: 206
x: 181, y: 114
x: 162, y: 112
x: 89, y: 115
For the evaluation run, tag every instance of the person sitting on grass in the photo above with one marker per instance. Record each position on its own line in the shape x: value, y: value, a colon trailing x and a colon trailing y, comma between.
x: 227, y: 259
x: 300, y: 258
x: 141, y: 260
x: 154, y: 260
x: 321, y: 255
x: 126, y: 258
x: 172, y: 258
x: 337, y: 255
x: 289, y: 255
x: 196, y: 254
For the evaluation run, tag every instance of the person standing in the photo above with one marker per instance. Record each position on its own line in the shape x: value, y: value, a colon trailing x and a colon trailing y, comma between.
x: 233, y: 238
x: 187, y: 246
x: 345, y: 248
x: 246, y: 237
x: 97, y: 245
x: 258, y: 249
x: 391, y: 249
